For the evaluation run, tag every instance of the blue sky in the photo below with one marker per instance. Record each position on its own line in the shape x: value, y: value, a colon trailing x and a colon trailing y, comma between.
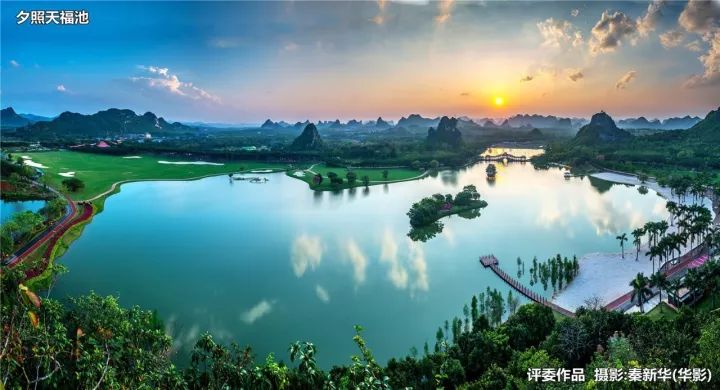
x: 247, y: 61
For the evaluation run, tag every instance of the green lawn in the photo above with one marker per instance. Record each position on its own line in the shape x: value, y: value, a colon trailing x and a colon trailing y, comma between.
x: 374, y: 174
x: 99, y: 172
x: 662, y: 311
x: 706, y: 303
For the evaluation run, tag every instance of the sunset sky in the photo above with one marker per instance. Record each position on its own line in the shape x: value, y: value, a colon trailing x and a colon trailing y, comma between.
x: 244, y: 62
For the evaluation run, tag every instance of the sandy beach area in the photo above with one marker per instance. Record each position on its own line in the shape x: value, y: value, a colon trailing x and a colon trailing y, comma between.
x: 606, y: 276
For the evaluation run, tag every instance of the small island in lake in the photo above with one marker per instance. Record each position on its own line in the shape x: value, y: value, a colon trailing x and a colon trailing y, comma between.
x: 491, y: 171
x: 431, y: 209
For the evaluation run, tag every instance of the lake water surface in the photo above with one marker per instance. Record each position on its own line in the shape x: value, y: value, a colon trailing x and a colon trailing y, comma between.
x: 268, y: 264
x: 8, y: 208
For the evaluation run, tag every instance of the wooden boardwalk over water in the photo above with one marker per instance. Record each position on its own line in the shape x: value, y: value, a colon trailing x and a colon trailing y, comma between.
x: 490, y: 261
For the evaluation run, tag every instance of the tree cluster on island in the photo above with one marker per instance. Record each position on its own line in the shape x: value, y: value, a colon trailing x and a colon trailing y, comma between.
x: 430, y: 209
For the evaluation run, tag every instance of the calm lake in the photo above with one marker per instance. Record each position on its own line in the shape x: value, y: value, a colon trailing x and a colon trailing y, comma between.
x: 268, y: 264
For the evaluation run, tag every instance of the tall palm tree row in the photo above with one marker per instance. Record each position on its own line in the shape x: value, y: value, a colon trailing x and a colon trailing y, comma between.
x: 641, y: 290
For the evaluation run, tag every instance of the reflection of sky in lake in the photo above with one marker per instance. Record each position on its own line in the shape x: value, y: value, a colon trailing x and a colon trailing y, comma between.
x: 8, y: 208
x: 268, y: 264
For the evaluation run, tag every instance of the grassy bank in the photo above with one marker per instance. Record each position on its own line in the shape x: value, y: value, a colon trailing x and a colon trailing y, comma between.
x: 100, y: 172
x: 375, y: 176
x: 63, y: 244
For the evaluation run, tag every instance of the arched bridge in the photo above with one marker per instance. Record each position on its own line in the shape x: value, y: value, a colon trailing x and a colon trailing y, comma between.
x: 504, y: 157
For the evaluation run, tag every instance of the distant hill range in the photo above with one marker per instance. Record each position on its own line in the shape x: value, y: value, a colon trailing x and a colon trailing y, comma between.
x: 538, y: 121
x: 601, y: 129
x: 446, y: 133
x: 112, y: 122
x: 10, y: 119
x: 309, y: 139
x: 674, y: 123
x: 708, y: 129
x: 417, y: 120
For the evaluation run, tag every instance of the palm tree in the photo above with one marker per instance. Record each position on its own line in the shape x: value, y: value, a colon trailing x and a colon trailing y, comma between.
x: 622, y: 238
x: 659, y: 281
x: 672, y: 208
x: 653, y: 253
x: 637, y: 240
x: 674, y: 285
x: 640, y: 290
x: 694, y: 282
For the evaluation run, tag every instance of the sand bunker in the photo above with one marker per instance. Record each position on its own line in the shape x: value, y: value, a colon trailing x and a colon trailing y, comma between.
x: 67, y: 174
x: 33, y: 164
x: 132, y: 157
x: 262, y: 171
x: 299, y: 173
x: 189, y: 163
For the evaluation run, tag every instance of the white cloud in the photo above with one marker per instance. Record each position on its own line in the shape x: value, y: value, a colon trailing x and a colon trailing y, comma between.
x: 609, y: 32
x: 695, y: 46
x: 419, y: 266
x: 306, y: 253
x: 672, y: 38
x: 14, y: 64
x: 578, y: 41
x: 700, y: 16
x: 397, y: 273
x: 161, y: 78
x: 625, y: 79
x: 647, y: 22
x: 358, y: 259
x: 61, y: 88
x: 258, y: 311
x: 711, y: 63
x: 322, y: 294
x: 612, y: 29
x: 556, y: 33
x: 575, y: 13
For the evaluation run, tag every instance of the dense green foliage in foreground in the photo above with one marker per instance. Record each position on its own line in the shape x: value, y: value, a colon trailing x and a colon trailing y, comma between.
x: 95, y: 343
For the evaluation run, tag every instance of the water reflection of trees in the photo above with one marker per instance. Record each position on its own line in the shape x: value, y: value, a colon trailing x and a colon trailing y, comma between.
x: 429, y: 232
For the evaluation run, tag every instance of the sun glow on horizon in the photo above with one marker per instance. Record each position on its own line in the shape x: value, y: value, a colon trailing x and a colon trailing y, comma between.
x: 499, y: 101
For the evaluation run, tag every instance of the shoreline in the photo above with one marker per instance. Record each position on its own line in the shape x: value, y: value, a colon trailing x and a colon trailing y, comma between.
x: 117, y: 184
x: 606, y: 275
